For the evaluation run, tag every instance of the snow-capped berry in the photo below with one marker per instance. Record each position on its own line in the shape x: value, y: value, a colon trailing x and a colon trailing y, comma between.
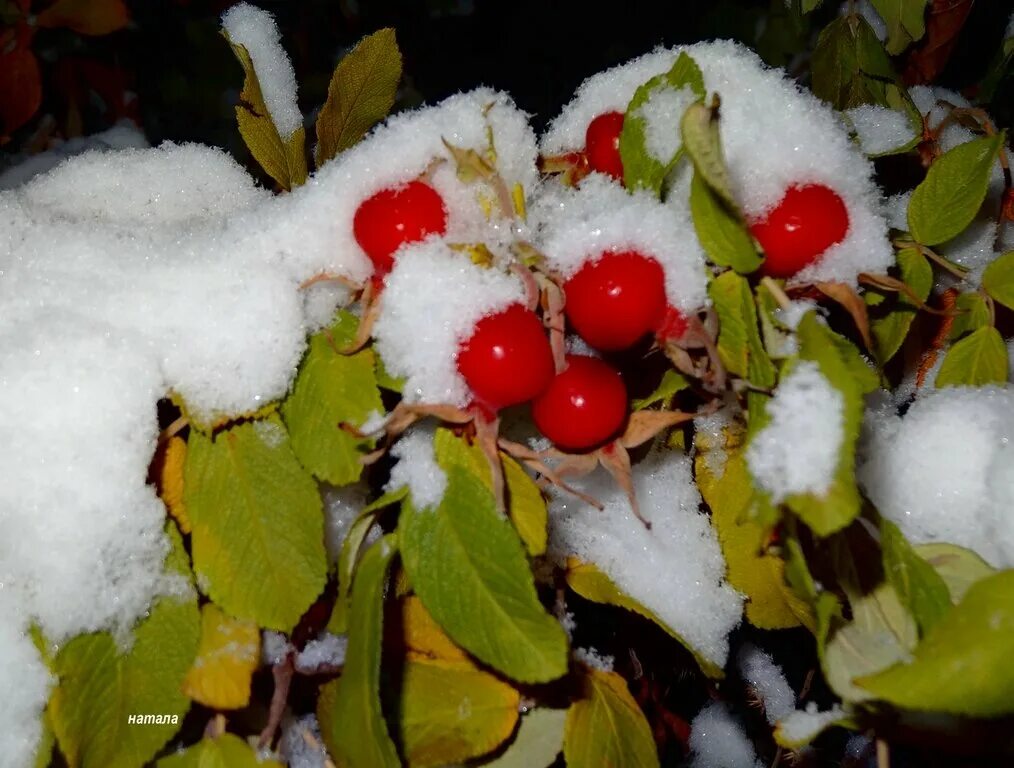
x: 584, y: 406
x: 616, y: 299
x: 392, y: 217
x: 804, y: 224
x: 602, y: 144
x: 507, y: 360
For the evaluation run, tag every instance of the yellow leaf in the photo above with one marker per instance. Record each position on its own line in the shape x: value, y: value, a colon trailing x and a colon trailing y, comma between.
x: 518, y: 196
x: 170, y: 480
x: 422, y: 636
x: 226, y: 659
x: 727, y: 489
x: 283, y: 160
x: 86, y: 17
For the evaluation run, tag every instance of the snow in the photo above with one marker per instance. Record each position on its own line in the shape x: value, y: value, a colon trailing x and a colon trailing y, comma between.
x: 909, y: 468
x: 325, y: 651
x: 676, y: 569
x: 880, y: 129
x: 865, y: 9
x: 803, y: 725
x: 418, y: 332
x: 578, y: 226
x: 797, y: 451
x: 301, y: 745
x: 717, y: 740
x: 592, y: 658
x: 27, y: 682
x: 662, y: 113
x: 274, y: 647
x: 255, y: 30
x: 710, y: 437
x: 341, y: 507
x: 765, y: 677
x: 774, y: 136
x: 417, y: 468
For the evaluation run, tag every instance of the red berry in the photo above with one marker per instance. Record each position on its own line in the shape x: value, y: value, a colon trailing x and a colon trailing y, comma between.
x: 806, y: 222
x: 616, y: 299
x: 602, y: 144
x: 507, y: 360
x: 584, y: 406
x: 673, y: 325
x: 392, y: 217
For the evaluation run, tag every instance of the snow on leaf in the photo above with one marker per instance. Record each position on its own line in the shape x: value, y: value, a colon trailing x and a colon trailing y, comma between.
x: 998, y: 279
x: 258, y: 527
x: 606, y: 727
x: 538, y: 741
x: 360, y: 94
x: 224, y: 751
x: 228, y: 654
x: 979, y: 358
x: 348, y: 709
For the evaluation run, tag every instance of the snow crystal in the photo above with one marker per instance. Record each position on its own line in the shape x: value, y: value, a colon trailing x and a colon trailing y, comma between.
x: 911, y: 470
x: 797, y: 451
x: 774, y: 136
x: 320, y: 302
x: 592, y: 658
x: 767, y: 679
x: 341, y: 506
x: 301, y: 745
x: 417, y: 468
x: 662, y: 113
x: 255, y: 30
x: 569, y: 624
x: 418, y: 332
x: 791, y: 315
x: 27, y: 683
x: 710, y: 437
x: 880, y: 129
x: 675, y: 569
x: 274, y: 647
x: 325, y: 651
x: 578, y: 226
x: 717, y: 740
x: 802, y: 725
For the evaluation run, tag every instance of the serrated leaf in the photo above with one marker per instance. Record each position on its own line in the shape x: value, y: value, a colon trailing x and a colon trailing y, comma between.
x: 258, y: 525
x: 282, y: 159
x: 979, y: 358
x: 642, y: 169
x: 526, y: 507
x: 722, y: 233
x: 950, y: 196
x: 974, y: 314
x: 468, y: 566
x: 360, y: 94
x: 890, y: 330
x: 606, y: 727
x: 671, y: 383
x: 998, y: 279
x: 348, y: 709
x: 919, y: 587
x: 702, y: 140
x: 227, y: 656
x: 451, y: 711
x: 225, y: 751
x: 170, y: 480
x: 331, y: 389
x: 101, y: 685
x: 963, y: 665
x: 905, y: 21
x: 850, y: 67
x: 960, y: 568
x: 592, y: 584
x: 538, y: 741
x: 739, y: 342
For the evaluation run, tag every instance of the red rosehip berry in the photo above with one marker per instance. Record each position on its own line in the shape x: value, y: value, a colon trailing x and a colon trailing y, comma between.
x: 616, y: 299
x: 507, y: 360
x: 806, y: 222
x: 584, y: 406
x: 392, y: 217
x: 674, y: 324
x: 602, y: 144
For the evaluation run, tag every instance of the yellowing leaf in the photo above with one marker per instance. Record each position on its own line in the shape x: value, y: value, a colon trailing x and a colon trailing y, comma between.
x: 226, y: 659
x: 225, y: 751
x: 606, y: 727
x: 538, y: 741
x: 423, y: 637
x: 86, y: 17
x: 960, y: 568
x: 452, y: 711
x: 360, y: 94
x: 170, y: 480
x: 282, y: 159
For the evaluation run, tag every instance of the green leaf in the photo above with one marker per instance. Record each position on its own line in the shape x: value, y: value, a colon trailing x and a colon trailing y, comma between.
x: 722, y: 233
x: 101, y: 685
x: 282, y: 159
x: 850, y: 67
x: 672, y: 383
x: 963, y: 665
x: 905, y: 21
x: 739, y: 341
x: 703, y: 143
x: 974, y: 315
x: 890, y: 330
x: 919, y: 587
x: 538, y: 742
x: 606, y: 727
x: 225, y: 751
x: 348, y: 709
x: 947, y: 200
x: 257, y: 523
x: 451, y: 711
x: 998, y: 279
x: 641, y: 168
x: 960, y: 568
x: 361, y: 93
x: 979, y: 358
x: 332, y: 388
x: 469, y: 568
